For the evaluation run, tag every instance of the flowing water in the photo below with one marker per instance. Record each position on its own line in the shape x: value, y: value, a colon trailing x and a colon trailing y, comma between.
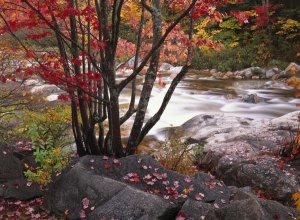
x: 199, y: 93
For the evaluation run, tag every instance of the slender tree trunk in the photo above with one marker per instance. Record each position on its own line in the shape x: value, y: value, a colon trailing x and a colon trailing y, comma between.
x: 149, y: 80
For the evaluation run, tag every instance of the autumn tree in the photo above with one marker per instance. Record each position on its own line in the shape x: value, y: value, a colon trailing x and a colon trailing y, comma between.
x: 84, y: 62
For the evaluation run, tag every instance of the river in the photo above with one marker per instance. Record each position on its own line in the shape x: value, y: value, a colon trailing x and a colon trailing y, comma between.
x: 199, y: 93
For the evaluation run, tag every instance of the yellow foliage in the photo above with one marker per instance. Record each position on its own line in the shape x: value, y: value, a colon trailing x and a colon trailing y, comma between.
x: 234, y: 44
x: 131, y: 9
x: 294, y: 82
x: 200, y: 29
x: 296, y: 198
x: 289, y: 28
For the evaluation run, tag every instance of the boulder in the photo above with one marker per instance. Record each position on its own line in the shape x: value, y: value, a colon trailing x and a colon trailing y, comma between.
x: 130, y: 62
x: 165, y: 67
x: 292, y: 70
x: 271, y: 72
x: 247, y: 73
x: 175, y: 70
x: 135, y: 187
x: 45, y: 89
x: 13, y: 182
x: 212, y: 71
x: 251, y: 98
x: 244, y: 152
x: 244, y: 205
x: 20, y: 189
x: 11, y: 167
x: 229, y: 74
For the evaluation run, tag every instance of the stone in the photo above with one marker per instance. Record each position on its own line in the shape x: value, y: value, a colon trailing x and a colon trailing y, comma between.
x: 130, y: 203
x: 45, y: 89
x: 229, y: 74
x: 248, y: 73
x: 292, y: 70
x: 21, y: 189
x: 244, y: 205
x: 113, y: 196
x: 130, y: 62
x: 175, y: 70
x: 251, y: 98
x: 244, y: 152
x: 271, y: 72
x: 106, y: 185
x: 212, y: 71
x: 11, y: 167
x: 165, y: 67
x: 13, y: 183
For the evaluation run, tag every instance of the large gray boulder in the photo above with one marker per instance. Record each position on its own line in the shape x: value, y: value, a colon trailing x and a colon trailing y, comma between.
x: 13, y: 182
x: 243, y: 206
x: 136, y: 187
x: 244, y: 152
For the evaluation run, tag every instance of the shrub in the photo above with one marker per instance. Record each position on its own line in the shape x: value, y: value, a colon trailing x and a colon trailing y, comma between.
x: 49, y: 132
x: 179, y: 156
x: 50, y: 161
x: 49, y: 128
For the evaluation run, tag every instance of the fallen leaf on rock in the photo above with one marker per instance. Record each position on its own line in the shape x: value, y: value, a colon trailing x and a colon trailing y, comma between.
x: 107, y: 166
x: 147, y: 177
x: 67, y: 211
x: 82, y: 214
x: 117, y: 162
x: 199, y: 196
x: 176, y: 184
x: 181, y: 215
x: 85, y: 203
x: 187, y: 179
x: 216, y: 205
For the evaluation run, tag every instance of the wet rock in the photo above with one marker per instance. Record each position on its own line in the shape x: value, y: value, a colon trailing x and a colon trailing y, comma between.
x: 244, y: 152
x: 251, y: 98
